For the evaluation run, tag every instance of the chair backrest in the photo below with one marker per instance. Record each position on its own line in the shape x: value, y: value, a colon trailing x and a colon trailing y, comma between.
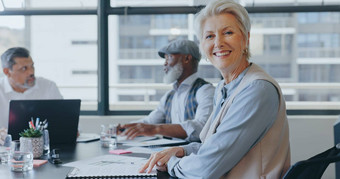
x: 314, y: 167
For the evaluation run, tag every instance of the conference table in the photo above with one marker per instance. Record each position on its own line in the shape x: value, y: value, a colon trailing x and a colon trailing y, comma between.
x: 80, y: 151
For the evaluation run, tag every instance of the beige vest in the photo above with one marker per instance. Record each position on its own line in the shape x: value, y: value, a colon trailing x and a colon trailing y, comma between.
x: 270, y: 157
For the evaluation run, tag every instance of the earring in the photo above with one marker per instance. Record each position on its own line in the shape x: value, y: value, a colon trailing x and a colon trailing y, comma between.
x: 245, y: 51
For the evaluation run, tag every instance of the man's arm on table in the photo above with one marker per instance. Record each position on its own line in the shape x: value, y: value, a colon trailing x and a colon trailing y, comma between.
x: 136, y: 129
x: 188, y: 130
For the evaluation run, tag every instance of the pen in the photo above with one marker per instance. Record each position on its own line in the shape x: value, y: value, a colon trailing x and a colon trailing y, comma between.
x: 41, y: 127
x: 37, y: 123
x: 44, y: 122
x: 45, y: 126
x: 32, y: 125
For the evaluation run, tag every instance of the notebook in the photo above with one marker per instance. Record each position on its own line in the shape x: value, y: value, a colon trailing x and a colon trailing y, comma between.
x: 62, y: 116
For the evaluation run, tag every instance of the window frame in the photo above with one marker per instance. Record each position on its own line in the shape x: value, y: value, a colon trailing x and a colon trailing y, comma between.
x: 104, y: 9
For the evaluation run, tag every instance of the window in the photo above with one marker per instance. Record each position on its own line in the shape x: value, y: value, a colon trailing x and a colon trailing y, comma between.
x: 51, y: 41
x: 137, y: 63
x: 49, y: 4
x: 300, y: 50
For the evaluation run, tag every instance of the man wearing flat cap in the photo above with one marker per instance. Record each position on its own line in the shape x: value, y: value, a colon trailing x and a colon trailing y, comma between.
x: 184, y: 110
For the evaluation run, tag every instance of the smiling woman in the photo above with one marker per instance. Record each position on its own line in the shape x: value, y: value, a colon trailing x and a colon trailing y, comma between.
x: 247, y: 133
x: 225, y: 45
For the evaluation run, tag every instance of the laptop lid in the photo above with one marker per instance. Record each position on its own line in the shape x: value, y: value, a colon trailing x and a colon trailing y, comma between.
x: 62, y: 116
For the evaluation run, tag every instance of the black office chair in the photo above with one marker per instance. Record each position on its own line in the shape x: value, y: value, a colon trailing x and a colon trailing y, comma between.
x: 314, y: 167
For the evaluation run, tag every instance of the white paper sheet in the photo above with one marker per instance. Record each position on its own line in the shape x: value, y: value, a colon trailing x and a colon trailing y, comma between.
x: 145, y: 150
x: 155, y: 143
x: 87, y: 137
x: 123, y: 140
x: 109, y: 165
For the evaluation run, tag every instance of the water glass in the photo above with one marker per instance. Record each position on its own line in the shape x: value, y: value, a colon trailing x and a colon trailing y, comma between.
x: 108, y: 138
x: 114, y: 133
x: 21, y: 158
x: 5, y: 149
x: 4, y: 154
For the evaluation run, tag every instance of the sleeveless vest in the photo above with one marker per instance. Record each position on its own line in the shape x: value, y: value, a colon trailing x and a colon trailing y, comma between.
x: 191, y: 105
x: 270, y: 157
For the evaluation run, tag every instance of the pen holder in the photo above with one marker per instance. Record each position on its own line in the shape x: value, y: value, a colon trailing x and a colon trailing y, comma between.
x: 37, y: 145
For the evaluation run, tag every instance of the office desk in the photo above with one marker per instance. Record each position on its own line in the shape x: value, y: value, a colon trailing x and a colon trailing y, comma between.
x: 67, y: 154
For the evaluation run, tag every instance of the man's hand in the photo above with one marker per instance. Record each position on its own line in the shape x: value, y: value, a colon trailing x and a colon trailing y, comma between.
x: 137, y: 129
x: 120, y: 129
x: 160, y: 159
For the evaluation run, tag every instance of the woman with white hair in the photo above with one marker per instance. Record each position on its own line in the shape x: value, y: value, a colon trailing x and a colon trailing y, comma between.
x: 247, y: 133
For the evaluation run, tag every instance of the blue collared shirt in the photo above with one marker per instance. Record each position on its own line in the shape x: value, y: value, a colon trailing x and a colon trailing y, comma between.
x: 204, y: 97
x: 249, y: 117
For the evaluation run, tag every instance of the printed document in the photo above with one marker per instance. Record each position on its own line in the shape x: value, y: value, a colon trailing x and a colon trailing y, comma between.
x: 109, y: 165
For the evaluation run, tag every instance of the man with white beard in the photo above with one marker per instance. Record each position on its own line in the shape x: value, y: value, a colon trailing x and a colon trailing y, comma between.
x: 184, y: 110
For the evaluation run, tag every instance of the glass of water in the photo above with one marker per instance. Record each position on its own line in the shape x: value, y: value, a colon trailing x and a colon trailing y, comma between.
x: 4, y: 154
x: 5, y: 149
x: 21, y: 158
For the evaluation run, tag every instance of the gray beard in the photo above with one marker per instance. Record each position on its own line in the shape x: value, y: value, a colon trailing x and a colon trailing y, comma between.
x: 26, y: 85
x: 173, y: 74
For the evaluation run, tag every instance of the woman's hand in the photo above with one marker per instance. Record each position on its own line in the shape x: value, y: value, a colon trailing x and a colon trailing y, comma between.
x: 160, y: 159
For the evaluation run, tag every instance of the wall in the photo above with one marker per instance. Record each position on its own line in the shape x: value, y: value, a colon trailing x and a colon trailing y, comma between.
x: 309, y: 135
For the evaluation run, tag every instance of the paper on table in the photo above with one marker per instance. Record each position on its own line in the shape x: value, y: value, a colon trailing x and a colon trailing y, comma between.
x: 145, y: 150
x: 123, y: 140
x: 87, y: 137
x: 155, y: 143
x: 109, y: 165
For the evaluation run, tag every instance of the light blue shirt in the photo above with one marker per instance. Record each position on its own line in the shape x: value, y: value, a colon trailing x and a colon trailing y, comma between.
x: 249, y: 117
x: 204, y: 98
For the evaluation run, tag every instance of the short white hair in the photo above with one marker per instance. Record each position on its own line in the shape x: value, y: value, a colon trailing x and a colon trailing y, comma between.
x: 217, y: 7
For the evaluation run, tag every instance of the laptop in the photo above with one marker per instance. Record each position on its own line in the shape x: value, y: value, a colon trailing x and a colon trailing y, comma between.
x: 62, y: 116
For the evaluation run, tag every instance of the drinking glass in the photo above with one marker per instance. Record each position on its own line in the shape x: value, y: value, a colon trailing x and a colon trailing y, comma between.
x: 4, y: 154
x: 5, y: 149
x: 108, y: 138
x: 21, y: 158
x: 113, y: 130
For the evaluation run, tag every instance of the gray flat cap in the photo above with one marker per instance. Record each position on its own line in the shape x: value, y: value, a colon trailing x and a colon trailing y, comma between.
x: 181, y: 47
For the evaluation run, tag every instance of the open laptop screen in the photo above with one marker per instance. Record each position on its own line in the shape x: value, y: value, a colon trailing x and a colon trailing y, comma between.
x: 62, y: 117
